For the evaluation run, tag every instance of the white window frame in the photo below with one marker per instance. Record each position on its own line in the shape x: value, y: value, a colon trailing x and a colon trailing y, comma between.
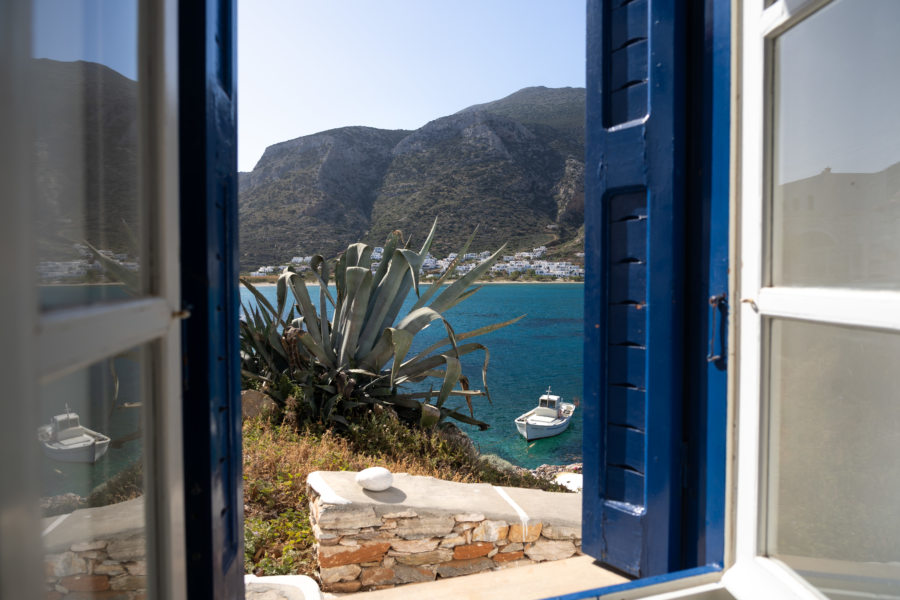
x: 42, y: 346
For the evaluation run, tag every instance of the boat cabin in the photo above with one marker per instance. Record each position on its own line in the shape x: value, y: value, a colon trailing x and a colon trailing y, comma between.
x: 65, y: 426
x: 548, y: 406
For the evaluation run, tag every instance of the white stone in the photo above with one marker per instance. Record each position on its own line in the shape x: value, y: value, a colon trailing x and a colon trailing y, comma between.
x: 375, y: 479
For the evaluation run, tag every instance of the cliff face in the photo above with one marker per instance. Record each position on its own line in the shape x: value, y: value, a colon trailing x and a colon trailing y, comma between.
x: 312, y: 194
x: 514, y: 168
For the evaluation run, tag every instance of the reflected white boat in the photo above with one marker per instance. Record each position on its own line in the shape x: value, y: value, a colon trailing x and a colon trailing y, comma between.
x: 66, y: 440
x: 550, y: 417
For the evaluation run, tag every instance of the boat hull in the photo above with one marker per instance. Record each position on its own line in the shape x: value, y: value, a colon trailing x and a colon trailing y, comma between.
x: 88, y: 452
x: 534, y: 431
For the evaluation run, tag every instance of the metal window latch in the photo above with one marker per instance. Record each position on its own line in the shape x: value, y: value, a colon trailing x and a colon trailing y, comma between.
x: 718, y: 305
x: 181, y: 314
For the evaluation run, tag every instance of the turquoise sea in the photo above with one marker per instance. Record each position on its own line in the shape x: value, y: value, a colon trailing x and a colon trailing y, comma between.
x: 543, y: 349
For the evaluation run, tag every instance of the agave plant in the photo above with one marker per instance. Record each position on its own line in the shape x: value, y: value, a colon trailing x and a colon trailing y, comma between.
x: 360, y: 354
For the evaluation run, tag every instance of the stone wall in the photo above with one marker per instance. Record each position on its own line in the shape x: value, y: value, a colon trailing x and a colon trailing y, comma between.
x: 116, y: 567
x: 423, y: 529
x: 97, y: 553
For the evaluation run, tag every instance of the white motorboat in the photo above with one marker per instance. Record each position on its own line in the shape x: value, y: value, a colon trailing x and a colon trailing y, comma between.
x: 66, y: 440
x: 550, y: 417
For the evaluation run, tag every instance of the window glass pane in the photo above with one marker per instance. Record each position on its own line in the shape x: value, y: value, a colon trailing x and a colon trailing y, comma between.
x: 92, y: 471
x: 834, y: 430
x: 89, y: 224
x: 836, y: 169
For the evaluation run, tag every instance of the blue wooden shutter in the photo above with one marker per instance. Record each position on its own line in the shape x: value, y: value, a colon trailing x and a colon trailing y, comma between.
x: 634, y: 243
x: 209, y: 269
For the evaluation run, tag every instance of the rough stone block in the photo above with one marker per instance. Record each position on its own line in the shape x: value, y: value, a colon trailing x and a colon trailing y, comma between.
x: 377, y: 576
x: 468, y: 517
x: 342, y: 573
x: 67, y: 563
x: 320, y: 534
x: 128, y: 582
x: 138, y: 567
x: 472, y: 550
x: 343, y: 587
x: 88, y: 546
x: 464, y: 567
x: 505, y: 557
x: 109, y: 568
x: 441, y: 555
x: 388, y: 561
x: 132, y: 548
x: 490, y: 531
x: 545, y: 549
x: 514, y: 563
x: 423, y: 545
x: 333, y: 516
x: 425, y: 526
x: 409, y: 574
x: 336, y: 556
x: 85, y: 583
x: 514, y: 547
x: 559, y: 532
x: 530, y: 533
x: 451, y: 541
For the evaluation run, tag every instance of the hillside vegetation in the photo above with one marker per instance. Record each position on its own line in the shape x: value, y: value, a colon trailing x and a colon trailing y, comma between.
x: 514, y: 167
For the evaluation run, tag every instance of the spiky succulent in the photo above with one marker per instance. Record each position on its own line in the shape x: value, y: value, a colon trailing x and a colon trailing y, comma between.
x: 360, y: 355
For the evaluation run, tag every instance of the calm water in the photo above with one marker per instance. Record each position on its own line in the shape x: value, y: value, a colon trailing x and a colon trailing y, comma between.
x: 543, y: 349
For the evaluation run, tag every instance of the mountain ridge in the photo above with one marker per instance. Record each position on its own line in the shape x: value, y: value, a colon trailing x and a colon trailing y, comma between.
x: 513, y: 166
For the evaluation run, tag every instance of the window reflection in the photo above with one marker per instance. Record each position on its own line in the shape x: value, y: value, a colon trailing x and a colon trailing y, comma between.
x: 92, y: 472
x: 89, y: 219
x: 836, y: 188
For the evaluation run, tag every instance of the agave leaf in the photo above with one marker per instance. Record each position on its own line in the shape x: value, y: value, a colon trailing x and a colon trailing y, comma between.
x: 316, y: 349
x: 400, y: 341
x: 130, y: 279
x: 339, y: 271
x: 280, y: 294
x: 262, y: 300
x: 432, y: 394
x: 465, y: 336
x: 426, y: 246
x: 424, y: 364
x: 319, y: 268
x: 446, y: 274
x: 359, y: 288
x: 393, y: 240
x: 304, y: 304
x: 382, y: 299
x: 359, y: 255
x: 448, y: 297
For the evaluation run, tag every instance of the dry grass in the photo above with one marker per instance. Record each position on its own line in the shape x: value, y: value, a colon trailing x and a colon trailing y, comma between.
x: 277, y: 460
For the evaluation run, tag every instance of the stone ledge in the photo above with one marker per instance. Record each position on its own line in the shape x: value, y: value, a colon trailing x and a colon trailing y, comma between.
x: 424, y: 528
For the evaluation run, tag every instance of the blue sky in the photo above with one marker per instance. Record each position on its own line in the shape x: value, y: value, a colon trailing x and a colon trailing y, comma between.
x: 305, y: 66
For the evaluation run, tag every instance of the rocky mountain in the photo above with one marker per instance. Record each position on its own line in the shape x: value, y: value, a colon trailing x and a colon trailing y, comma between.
x: 513, y: 167
x: 86, y: 157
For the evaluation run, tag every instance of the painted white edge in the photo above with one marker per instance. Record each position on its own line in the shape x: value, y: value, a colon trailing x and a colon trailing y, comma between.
x: 765, y: 578
x: 325, y: 491
x: 73, y: 338
x: 523, y: 516
x: 785, y: 14
x: 750, y: 266
x: 163, y: 439
x: 878, y: 309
